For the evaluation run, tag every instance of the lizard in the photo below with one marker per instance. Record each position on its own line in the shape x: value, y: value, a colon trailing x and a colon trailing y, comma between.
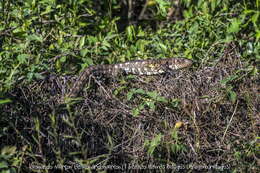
x: 135, y: 67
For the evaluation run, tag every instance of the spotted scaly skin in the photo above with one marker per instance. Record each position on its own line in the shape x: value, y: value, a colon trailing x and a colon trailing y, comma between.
x: 137, y: 67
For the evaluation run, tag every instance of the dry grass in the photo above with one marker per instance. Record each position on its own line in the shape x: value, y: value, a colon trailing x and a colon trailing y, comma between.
x: 216, y: 102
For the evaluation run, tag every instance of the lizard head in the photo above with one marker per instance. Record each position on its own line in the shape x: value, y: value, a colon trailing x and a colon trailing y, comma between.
x: 179, y: 63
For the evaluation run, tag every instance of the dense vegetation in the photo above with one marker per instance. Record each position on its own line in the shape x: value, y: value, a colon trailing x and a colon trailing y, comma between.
x: 205, y: 116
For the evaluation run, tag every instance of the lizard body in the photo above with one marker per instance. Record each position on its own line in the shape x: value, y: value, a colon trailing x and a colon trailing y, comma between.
x: 136, y: 67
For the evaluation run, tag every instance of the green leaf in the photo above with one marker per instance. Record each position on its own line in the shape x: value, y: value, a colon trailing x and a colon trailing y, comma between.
x: 63, y: 59
x: 255, y: 18
x: 30, y: 76
x: 82, y: 42
x: 175, y: 102
x: 152, y: 94
x: 134, y: 91
x: 257, y: 35
x: 87, y: 62
x: 119, y: 89
x: 254, y: 71
x: 228, y: 39
x: 130, y: 31
x: 213, y: 4
x: 83, y: 52
x: 4, y: 101
x: 139, y: 91
x: 163, y: 47
x: 129, y: 95
x: 188, y: 13
x: 154, y: 144
x: 92, y: 39
x: 163, y: 5
x: 205, y: 8
x: 47, y: 10
x: 23, y: 58
x: 135, y: 112
x: 35, y: 37
x: 174, y: 134
x: 8, y: 150
x: 3, y: 164
x: 234, y: 26
x: 175, y: 147
x: 38, y: 76
x: 162, y: 2
x: 232, y: 96
x: 151, y: 105
x: 162, y: 99
x: 228, y: 79
x: 141, y: 44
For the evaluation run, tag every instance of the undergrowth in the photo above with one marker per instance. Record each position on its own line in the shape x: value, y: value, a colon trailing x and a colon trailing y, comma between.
x: 204, y: 118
